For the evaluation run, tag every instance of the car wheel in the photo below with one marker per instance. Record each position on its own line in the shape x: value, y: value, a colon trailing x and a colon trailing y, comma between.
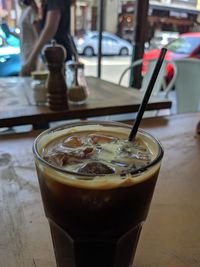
x: 88, y: 51
x: 124, y: 51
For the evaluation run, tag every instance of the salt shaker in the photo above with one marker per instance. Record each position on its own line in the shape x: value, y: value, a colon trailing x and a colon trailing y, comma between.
x: 39, y: 87
x: 55, y: 56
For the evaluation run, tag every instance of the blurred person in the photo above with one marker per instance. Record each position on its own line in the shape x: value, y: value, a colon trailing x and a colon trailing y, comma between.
x: 29, y: 30
x: 28, y: 25
x: 55, y: 25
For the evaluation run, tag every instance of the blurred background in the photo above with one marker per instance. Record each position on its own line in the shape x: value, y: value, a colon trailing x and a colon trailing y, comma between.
x: 166, y: 21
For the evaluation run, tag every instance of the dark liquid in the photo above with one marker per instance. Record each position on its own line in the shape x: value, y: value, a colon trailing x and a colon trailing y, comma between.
x: 96, y: 223
x: 95, y: 227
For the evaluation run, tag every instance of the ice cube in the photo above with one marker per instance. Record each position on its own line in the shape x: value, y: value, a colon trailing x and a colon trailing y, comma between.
x: 72, y: 142
x: 60, y: 158
x: 141, y: 156
x: 100, y: 138
x: 135, y: 151
x: 95, y: 168
x: 129, y: 148
x: 56, y: 158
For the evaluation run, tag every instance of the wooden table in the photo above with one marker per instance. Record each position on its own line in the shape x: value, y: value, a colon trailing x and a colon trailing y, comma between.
x: 171, y: 234
x: 18, y: 106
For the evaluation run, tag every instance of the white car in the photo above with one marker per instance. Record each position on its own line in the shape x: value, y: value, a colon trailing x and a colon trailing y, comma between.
x: 111, y: 44
x: 162, y: 38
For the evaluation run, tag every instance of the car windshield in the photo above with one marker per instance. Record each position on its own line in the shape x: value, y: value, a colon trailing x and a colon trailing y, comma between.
x: 90, y: 34
x: 183, y: 45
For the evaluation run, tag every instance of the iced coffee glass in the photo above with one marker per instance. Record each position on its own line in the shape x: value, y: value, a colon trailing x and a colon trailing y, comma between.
x: 96, y: 188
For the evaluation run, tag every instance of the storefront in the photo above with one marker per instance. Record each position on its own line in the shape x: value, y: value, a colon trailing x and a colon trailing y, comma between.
x: 164, y: 17
x: 173, y: 17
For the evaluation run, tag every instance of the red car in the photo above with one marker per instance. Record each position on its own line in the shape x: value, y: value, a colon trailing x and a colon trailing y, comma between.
x: 186, y: 46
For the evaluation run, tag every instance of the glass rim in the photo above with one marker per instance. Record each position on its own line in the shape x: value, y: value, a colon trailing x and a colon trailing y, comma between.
x: 93, y: 122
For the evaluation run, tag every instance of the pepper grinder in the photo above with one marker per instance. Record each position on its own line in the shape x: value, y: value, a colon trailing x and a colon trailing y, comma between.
x: 55, y: 56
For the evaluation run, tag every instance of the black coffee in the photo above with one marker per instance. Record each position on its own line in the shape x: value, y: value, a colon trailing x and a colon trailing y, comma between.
x: 96, y: 189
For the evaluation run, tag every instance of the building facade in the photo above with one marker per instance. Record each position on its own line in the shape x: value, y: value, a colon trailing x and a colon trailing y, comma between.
x: 119, y: 16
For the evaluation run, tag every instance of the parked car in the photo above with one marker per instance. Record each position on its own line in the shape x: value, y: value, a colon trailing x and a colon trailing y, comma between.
x: 186, y: 46
x: 111, y: 44
x: 162, y: 38
x: 10, y: 39
x: 9, y: 59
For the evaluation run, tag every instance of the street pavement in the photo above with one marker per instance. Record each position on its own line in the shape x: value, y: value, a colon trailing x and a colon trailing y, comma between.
x: 111, y: 67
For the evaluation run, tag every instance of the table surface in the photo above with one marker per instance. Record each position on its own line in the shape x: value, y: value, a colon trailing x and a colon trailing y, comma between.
x: 171, y: 234
x: 105, y: 98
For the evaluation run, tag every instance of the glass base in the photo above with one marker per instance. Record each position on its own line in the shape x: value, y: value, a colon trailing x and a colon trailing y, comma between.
x: 94, y: 252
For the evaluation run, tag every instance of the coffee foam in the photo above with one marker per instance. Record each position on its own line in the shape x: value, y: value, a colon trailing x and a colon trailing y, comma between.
x: 99, y: 182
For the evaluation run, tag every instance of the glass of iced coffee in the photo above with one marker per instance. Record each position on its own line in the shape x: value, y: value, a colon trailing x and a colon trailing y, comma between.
x: 96, y: 188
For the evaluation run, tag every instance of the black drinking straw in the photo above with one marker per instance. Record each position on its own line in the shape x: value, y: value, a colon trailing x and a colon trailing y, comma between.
x: 147, y: 95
